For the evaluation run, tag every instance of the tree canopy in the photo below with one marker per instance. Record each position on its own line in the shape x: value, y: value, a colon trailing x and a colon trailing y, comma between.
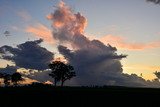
x: 61, y: 72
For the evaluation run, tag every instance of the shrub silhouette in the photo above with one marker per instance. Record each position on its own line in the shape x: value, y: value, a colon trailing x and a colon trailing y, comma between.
x: 7, y: 78
x: 16, y: 77
x: 61, y: 72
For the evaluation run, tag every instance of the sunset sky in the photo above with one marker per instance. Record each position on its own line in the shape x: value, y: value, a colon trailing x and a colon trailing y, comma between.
x: 132, y: 26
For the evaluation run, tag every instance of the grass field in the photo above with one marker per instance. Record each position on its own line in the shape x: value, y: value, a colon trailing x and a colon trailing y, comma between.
x: 38, y: 95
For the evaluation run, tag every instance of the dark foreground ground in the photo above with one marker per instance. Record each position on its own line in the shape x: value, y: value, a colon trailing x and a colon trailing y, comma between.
x: 49, y: 96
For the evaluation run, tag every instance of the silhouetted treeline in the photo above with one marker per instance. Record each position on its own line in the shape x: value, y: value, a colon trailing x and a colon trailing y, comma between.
x: 11, y: 78
x: 38, y: 94
x: 60, y: 71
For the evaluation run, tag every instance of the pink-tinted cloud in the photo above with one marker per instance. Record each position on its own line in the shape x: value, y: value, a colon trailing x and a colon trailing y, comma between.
x: 41, y: 31
x: 24, y: 15
x: 121, y: 43
x: 15, y: 28
x: 64, y: 18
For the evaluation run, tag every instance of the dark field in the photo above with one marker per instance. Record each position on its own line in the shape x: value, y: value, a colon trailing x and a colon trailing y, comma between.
x: 45, y: 95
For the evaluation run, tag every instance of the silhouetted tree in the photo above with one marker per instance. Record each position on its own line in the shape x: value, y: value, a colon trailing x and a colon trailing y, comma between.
x: 61, y: 72
x: 7, y: 78
x: 157, y: 74
x: 16, y: 77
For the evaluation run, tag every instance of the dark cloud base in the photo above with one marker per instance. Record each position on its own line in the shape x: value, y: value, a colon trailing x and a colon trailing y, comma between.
x: 28, y: 55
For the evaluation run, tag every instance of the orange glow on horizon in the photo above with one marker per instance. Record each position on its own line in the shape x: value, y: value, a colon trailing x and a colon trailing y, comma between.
x: 146, y: 70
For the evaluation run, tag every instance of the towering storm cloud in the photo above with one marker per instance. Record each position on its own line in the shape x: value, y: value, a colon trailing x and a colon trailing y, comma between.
x: 94, y: 62
x: 28, y: 55
x: 69, y: 27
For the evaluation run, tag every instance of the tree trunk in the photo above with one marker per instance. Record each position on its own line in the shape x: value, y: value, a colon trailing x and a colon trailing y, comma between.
x: 55, y: 82
x: 62, y: 83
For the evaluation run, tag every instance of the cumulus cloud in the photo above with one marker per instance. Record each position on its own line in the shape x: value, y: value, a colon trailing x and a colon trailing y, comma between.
x: 41, y: 31
x: 68, y: 25
x: 28, y: 55
x: 95, y: 63
x: 99, y: 70
x: 121, y: 43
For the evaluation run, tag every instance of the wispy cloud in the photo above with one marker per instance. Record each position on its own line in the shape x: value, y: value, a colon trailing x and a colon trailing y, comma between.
x: 154, y: 1
x: 37, y: 29
x: 24, y: 15
x: 121, y: 43
x: 15, y: 28
x: 41, y: 31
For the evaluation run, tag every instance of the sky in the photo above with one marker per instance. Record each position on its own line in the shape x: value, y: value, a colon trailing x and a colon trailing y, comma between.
x: 132, y: 26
